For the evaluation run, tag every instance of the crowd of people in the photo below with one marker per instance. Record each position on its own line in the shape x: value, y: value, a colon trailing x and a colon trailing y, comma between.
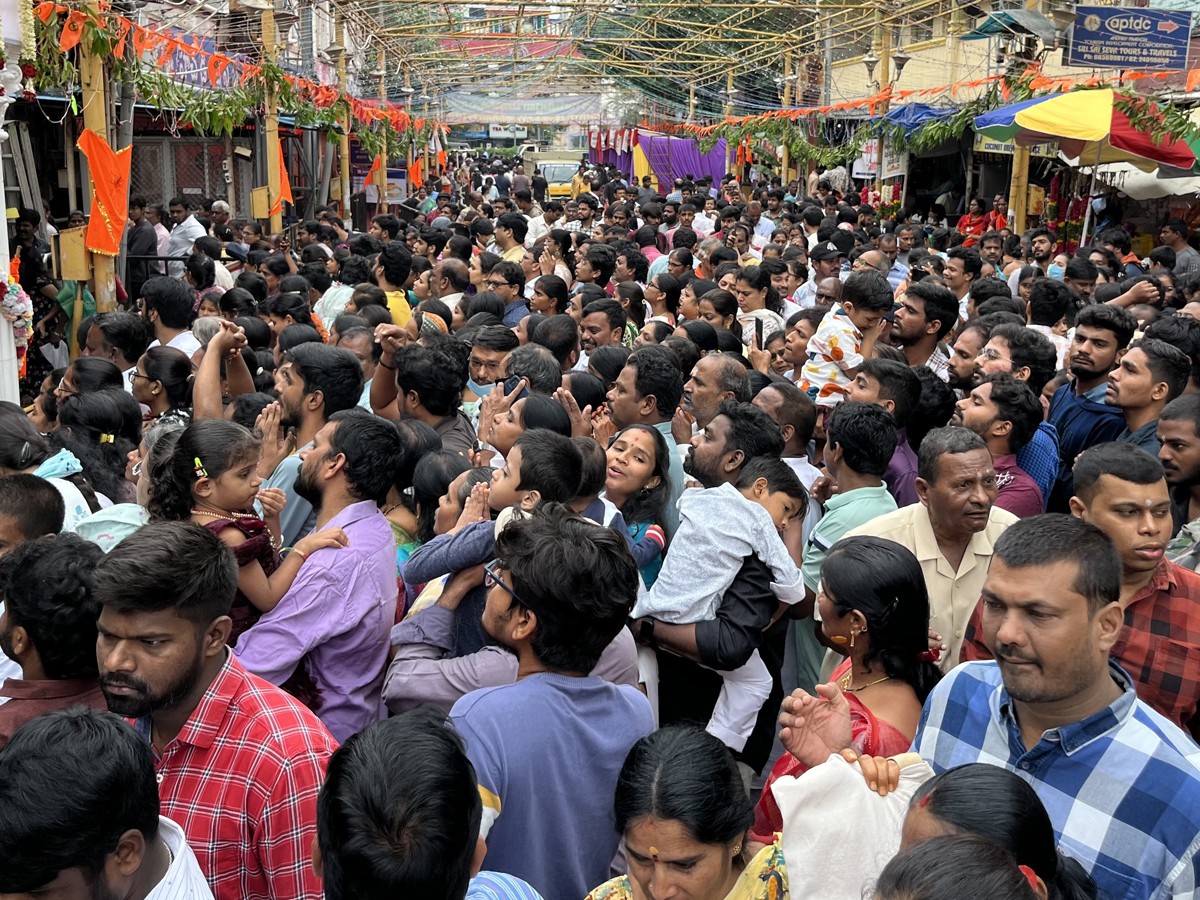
x: 700, y: 540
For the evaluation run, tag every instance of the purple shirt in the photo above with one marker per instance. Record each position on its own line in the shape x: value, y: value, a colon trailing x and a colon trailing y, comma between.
x: 336, y: 617
x: 1016, y: 491
x: 423, y: 670
x: 901, y: 473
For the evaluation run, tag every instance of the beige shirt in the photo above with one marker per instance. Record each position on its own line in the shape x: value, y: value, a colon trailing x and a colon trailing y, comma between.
x: 952, y: 595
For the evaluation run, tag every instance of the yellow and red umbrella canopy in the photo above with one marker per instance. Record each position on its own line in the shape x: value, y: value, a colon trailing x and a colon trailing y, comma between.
x: 1088, y: 125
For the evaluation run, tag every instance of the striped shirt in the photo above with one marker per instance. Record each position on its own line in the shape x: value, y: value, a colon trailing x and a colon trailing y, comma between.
x: 184, y: 880
x: 1122, y: 786
x: 498, y: 886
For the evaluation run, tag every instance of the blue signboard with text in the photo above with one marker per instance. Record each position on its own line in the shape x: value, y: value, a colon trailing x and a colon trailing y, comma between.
x: 1129, y: 38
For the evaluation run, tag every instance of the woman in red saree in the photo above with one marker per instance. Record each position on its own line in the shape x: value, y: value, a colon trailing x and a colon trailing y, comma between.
x: 973, y: 224
x: 874, y: 608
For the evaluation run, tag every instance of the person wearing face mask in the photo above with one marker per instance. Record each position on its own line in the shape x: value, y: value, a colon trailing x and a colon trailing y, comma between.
x: 489, y: 347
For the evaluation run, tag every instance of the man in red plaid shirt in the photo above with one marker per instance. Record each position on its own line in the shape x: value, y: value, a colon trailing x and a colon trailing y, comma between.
x: 1120, y: 488
x: 239, y: 762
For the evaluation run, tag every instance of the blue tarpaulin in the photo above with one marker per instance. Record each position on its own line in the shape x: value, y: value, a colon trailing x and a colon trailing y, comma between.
x: 915, y: 115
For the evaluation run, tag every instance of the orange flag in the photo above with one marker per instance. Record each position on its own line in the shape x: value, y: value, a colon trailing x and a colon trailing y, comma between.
x: 285, y: 183
x: 45, y: 11
x: 123, y: 26
x: 285, y: 186
x: 110, y: 193
x: 72, y: 31
x: 376, y: 165
x: 217, y: 64
x: 414, y: 175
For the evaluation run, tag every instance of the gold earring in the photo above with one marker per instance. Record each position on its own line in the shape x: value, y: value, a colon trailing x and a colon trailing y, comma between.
x: 737, y: 849
x: 853, y: 635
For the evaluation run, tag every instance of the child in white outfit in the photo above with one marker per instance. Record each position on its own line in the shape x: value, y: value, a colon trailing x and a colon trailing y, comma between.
x: 718, y: 528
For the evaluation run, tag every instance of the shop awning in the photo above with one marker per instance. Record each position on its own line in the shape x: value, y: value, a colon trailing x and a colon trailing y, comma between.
x: 915, y: 115
x: 1012, y: 21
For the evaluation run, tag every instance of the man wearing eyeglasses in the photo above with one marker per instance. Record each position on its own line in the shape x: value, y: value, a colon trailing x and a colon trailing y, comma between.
x: 548, y: 749
x: 120, y: 337
x: 507, y: 281
x: 826, y: 260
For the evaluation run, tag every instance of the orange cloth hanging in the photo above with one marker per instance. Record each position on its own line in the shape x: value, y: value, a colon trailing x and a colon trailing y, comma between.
x: 72, y: 31
x: 285, y: 187
x: 217, y: 64
x: 110, y: 193
x: 376, y: 165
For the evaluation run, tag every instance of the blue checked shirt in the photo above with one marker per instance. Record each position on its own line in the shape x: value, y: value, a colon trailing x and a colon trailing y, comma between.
x: 1040, y: 459
x: 1122, y: 787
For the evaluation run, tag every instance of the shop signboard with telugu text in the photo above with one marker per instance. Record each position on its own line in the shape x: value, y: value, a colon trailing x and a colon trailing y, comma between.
x: 1118, y: 37
x: 894, y: 164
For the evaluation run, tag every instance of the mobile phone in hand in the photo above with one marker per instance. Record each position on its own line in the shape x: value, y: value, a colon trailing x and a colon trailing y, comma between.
x: 511, y: 384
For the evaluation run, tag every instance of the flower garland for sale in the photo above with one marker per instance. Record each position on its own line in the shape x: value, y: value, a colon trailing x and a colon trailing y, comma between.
x: 28, y: 58
x: 17, y: 308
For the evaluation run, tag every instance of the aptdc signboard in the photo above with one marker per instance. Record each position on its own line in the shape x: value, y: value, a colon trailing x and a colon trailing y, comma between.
x: 1113, y: 37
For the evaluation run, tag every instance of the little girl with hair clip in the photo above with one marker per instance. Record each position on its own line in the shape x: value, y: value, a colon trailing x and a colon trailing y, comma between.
x: 211, y: 478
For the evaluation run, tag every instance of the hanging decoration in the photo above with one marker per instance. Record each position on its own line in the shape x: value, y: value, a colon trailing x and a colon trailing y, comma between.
x: 64, y: 28
x: 110, y: 193
x: 46, y: 54
x: 285, y: 186
x: 16, y: 306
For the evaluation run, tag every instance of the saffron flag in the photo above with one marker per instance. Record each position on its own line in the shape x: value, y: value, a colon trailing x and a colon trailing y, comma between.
x: 376, y: 165
x: 110, y: 193
x: 285, y: 186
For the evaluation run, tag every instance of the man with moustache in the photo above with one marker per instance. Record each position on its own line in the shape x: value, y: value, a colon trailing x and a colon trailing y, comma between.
x: 314, y: 382
x: 1028, y: 356
x: 991, y: 248
x: 927, y: 313
x: 1150, y: 375
x: 1119, y: 782
x: 1041, y: 249
x: 335, y: 618
x: 715, y: 379
x: 1005, y: 413
x: 951, y: 530
x: 239, y: 762
x: 1121, y: 490
x: 1179, y: 452
x: 960, y: 368
x: 1078, y: 411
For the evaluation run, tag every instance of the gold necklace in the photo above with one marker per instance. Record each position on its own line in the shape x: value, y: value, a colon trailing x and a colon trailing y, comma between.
x: 846, y: 680
x: 233, y: 518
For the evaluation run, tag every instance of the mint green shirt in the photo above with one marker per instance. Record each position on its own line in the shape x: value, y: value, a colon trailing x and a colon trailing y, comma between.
x: 843, y: 512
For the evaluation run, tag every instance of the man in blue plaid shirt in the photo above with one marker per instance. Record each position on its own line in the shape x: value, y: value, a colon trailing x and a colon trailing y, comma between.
x: 1121, y: 783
